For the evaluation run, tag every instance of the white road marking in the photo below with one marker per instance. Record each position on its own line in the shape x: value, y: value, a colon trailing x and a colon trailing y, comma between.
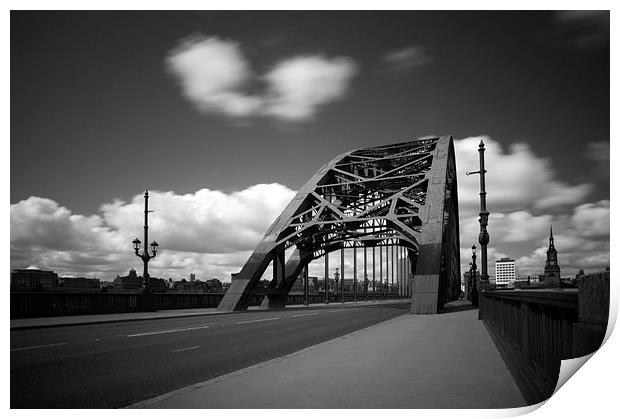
x: 333, y: 311
x: 186, y: 349
x: 306, y: 314
x: 258, y: 320
x: 38, y: 347
x: 159, y: 332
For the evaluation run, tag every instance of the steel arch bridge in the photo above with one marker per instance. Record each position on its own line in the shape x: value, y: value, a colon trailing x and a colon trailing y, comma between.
x: 401, y: 194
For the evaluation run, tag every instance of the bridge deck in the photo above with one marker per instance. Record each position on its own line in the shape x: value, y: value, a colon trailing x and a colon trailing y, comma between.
x: 413, y: 361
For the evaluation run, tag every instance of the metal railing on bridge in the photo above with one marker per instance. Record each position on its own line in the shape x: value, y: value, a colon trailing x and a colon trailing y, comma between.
x: 536, y: 329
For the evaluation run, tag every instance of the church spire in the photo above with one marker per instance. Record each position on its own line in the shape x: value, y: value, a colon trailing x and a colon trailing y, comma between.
x: 551, y: 236
x: 552, y: 269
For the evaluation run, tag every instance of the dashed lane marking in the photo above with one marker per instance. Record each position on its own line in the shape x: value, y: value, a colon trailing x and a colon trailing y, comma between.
x: 39, y: 346
x: 305, y: 314
x: 258, y: 320
x: 186, y: 349
x: 183, y: 329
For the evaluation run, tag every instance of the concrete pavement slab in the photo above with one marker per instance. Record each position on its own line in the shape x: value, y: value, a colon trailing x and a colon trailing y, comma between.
x: 413, y: 361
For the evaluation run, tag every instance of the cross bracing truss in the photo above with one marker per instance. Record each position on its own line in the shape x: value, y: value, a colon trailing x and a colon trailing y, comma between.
x: 371, y: 197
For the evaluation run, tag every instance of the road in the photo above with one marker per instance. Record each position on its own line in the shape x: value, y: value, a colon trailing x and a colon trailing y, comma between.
x: 115, y: 364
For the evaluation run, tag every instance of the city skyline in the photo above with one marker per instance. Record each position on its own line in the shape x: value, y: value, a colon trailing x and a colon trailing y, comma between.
x: 220, y: 143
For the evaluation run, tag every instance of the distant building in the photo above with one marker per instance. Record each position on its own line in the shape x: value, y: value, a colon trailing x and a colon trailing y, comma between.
x: 157, y: 284
x: 313, y: 284
x: 33, y: 278
x: 505, y: 273
x: 552, y: 269
x: 129, y: 282
x: 80, y: 282
x: 523, y: 282
x: 192, y: 277
x: 213, y: 285
x: 234, y: 276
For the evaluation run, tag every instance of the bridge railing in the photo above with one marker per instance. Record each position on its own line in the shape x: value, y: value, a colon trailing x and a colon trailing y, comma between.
x: 536, y: 329
x: 296, y: 298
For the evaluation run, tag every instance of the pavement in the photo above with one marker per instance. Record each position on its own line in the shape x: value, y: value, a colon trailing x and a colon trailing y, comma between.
x: 55, y: 321
x: 411, y: 361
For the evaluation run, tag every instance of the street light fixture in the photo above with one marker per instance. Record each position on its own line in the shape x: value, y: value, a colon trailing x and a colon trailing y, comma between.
x: 145, y: 256
x: 336, y: 278
x: 474, y: 288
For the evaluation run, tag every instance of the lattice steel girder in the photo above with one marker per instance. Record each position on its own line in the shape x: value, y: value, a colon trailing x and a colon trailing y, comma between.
x: 400, y: 194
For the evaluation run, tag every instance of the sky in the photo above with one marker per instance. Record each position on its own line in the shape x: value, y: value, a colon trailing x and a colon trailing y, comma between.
x: 224, y: 115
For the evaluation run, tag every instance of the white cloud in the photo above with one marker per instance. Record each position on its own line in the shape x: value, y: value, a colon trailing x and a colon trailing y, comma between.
x: 215, y: 76
x: 515, y: 179
x: 299, y: 86
x: 213, y: 73
x: 406, y: 59
x: 208, y: 232
x: 592, y: 219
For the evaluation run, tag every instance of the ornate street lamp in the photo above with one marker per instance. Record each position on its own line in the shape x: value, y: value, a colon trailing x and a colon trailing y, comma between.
x: 145, y: 256
x: 483, y: 237
x: 336, y: 278
x: 474, y: 289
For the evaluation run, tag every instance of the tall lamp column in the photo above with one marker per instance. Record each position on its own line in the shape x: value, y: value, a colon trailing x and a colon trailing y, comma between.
x: 472, y: 273
x: 483, y: 237
x: 145, y: 256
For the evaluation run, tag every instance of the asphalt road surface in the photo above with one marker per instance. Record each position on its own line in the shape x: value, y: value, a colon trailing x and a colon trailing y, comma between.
x: 117, y: 364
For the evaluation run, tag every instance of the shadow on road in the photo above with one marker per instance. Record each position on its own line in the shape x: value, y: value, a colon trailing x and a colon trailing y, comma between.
x: 456, y: 306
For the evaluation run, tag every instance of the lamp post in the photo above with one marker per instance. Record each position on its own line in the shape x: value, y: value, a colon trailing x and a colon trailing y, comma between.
x: 474, y: 289
x: 483, y: 237
x: 336, y: 278
x: 145, y: 256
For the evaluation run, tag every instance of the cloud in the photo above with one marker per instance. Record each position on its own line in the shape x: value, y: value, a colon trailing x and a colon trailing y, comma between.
x: 215, y: 77
x: 208, y: 232
x: 404, y: 60
x: 515, y: 179
x: 299, y: 86
x: 592, y: 219
x: 213, y: 73
x: 582, y: 29
x: 599, y: 154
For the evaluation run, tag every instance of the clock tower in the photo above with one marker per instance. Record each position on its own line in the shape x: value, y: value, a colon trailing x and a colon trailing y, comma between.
x: 552, y: 269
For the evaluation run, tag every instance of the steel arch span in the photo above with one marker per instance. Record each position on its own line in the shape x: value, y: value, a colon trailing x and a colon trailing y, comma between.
x: 402, y: 194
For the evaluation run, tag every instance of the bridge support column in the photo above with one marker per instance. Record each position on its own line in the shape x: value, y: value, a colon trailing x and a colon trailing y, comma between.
x: 381, y: 272
x: 342, y: 274
x: 365, y: 275
x: 273, y: 299
x: 306, y: 286
x: 326, y: 278
x: 374, y: 289
x: 425, y: 291
x: 354, y: 274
